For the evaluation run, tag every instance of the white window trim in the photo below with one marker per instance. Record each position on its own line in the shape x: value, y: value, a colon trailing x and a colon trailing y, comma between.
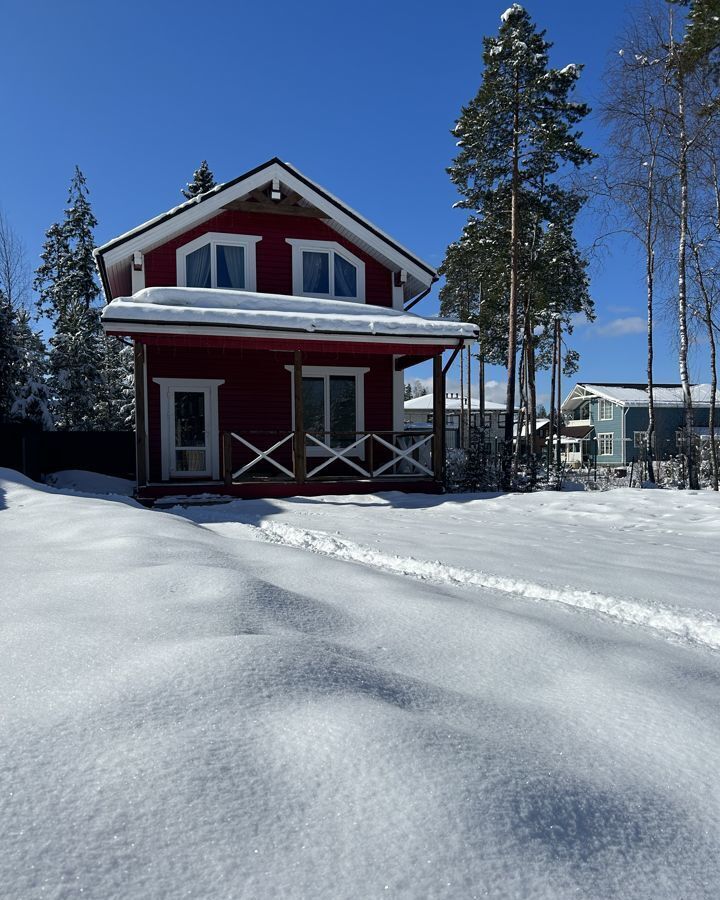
x: 168, y: 386
x: 643, y: 439
x: 248, y: 241
x: 608, y: 435
x: 603, y: 405
x: 299, y: 244
x: 326, y: 372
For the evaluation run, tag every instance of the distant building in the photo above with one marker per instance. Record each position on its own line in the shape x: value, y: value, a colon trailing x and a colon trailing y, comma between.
x: 607, y: 423
x: 419, y: 411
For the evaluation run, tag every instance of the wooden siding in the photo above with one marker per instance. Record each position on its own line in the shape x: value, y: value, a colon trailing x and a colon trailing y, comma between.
x: 274, y: 254
x: 257, y: 392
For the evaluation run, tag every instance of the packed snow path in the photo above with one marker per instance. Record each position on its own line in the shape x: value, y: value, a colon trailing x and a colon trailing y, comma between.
x: 191, y: 711
x: 588, y: 540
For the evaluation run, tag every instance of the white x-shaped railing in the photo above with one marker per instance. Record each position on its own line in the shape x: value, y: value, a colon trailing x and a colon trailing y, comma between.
x: 263, y: 454
x: 399, y: 454
x: 339, y: 453
x: 403, y: 454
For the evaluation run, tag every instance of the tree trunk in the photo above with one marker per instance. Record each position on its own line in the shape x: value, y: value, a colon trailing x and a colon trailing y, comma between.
x: 532, y: 403
x: 521, y: 413
x: 469, y: 393
x: 709, y: 325
x: 713, y: 383
x: 558, y: 460
x: 692, y: 475
x: 650, y: 278
x: 512, y: 305
x: 551, y: 429
x: 461, y: 418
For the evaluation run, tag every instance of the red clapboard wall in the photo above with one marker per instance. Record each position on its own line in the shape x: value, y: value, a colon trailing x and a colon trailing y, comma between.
x: 257, y: 393
x: 273, y: 253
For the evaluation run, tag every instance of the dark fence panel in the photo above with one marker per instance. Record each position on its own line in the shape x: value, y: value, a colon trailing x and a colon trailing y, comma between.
x: 21, y: 448
x: 36, y: 453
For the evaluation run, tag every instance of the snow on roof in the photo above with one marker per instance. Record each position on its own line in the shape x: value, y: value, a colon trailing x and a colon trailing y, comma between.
x: 182, y: 306
x: 451, y: 403
x: 636, y: 394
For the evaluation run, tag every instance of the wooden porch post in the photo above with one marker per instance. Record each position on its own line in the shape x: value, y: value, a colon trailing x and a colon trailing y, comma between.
x: 299, y: 439
x: 438, y: 419
x: 140, y: 407
x: 227, y: 457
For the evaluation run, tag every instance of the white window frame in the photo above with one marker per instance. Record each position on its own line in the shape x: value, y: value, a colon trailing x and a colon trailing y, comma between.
x: 215, y: 238
x: 208, y: 386
x: 502, y: 417
x: 325, y: 372
x: 602, y: 438
x: 603, y: 405
x: 640, y: 439
x: 330, y: 247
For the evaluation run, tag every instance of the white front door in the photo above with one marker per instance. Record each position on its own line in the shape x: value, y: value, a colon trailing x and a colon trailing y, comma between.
x: 189, y: 428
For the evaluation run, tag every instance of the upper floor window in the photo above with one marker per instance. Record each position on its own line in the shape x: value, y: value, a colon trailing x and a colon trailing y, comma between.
x: 606, y: 410
x: 605, y: 443
x: 325, y: 269
x: 217, y: 260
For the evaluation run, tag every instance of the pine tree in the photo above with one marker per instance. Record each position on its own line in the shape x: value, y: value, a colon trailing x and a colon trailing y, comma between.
x: 701, y: 45
x: 65, y: 282
x: 513, y: 137
x: 203, y: 180
x: 31, y: 401
x: 8, y: 357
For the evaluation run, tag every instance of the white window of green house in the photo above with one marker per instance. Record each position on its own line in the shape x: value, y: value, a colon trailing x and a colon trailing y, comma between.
x: 189, y: 427
x: 325, y: 269
x: 606, y: 410
x: 333, y: 406
x: 217, y: 260
x: 605, y: 444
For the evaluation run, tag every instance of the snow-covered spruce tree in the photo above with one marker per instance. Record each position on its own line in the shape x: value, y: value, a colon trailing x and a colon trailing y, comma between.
x: 67, y: 292
x: 8, y: 357
x: 31, y: 398
x: 701, y: 43
x: 203, y: 180
x: 513, y: 137
x: 116, y: 397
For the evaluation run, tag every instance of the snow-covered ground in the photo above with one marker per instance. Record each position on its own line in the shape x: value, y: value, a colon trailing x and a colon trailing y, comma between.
x: 360, y: 696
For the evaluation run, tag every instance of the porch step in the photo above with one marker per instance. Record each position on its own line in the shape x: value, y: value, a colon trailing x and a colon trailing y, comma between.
x: 186, y: 500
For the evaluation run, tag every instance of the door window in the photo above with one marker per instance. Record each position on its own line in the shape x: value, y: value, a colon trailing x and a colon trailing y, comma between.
x: 189, y: 409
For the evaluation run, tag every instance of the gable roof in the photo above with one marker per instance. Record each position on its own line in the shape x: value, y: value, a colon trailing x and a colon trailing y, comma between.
x: 341, y: 217
x: 633, y: 394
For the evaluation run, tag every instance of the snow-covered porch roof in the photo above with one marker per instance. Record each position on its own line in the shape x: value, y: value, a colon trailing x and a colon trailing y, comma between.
x: 213, y: 312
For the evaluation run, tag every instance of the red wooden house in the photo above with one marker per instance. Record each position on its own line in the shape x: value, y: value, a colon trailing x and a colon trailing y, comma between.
x: 271, y: 331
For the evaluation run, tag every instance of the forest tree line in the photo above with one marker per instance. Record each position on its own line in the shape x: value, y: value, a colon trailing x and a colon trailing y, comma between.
x: 524, y: 174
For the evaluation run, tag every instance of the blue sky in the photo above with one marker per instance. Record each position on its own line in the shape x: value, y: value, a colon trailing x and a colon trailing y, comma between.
x: 361, y: 98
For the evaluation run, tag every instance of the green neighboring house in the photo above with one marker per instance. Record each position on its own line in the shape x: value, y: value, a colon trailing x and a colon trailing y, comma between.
x: 607, y: 423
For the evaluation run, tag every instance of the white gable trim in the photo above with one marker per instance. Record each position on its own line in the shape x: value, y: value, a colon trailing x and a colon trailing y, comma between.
x: 195, y: 214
